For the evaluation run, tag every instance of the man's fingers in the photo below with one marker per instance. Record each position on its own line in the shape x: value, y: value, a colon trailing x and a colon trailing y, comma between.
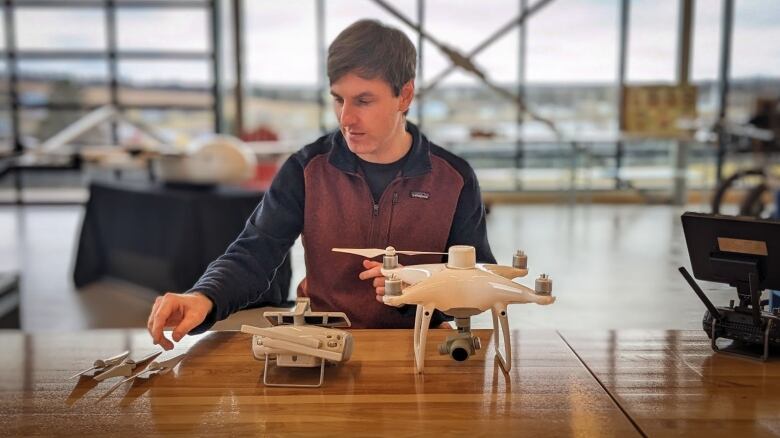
x: 379, y: 281
x: 380, y: 291
x: 371, y: 273
x: 368, y: 264
x: 160, y: 319
x: 189, y: 322
x: 152, y: 313
x: 165, y: 343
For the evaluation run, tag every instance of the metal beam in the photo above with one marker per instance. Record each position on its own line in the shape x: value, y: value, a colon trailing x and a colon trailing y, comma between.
x: 216, y: 67
x: 625, y: 11
x: 321, y: 59
x: 74, y: 4
x: 521, y: 64
x: 13, y: 92
x: 113, y: 65
x: 70, y: 106
x: 684, y: 39
x: 121, y: 54
x: 520, y: 19
x: 420, y: 71
x: 238, y: 57
x: 726, y: 32
x: 465, y: 61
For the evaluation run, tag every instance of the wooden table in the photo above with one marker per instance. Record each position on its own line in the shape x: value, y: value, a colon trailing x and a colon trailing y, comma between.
x: 608, y: 383
x: 218, y: 390
x: 671, y: 383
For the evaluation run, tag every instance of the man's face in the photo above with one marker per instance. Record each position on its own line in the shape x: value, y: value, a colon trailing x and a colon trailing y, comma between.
x: 370, y: 117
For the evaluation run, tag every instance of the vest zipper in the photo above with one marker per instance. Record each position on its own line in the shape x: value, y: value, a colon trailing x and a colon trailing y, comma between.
x: 390, y: 221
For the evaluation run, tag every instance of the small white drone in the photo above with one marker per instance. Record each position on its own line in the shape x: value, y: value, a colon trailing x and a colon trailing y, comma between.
x: 461, y: 288
x: 293, y: 342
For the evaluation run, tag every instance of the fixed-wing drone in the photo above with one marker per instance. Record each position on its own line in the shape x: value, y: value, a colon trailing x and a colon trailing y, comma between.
x: 301, y: 339
x: 461, y: 288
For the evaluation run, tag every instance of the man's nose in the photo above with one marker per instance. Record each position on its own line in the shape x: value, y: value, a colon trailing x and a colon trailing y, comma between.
x: 348, y: 115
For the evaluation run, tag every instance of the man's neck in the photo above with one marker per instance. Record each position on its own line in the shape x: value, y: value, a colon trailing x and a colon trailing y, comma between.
x: 397, y: 149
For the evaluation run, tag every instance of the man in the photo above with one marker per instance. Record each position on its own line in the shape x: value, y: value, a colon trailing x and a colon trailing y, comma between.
x: 374, y: 182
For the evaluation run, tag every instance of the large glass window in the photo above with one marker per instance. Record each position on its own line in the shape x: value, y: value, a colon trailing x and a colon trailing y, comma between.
x: 572, y: 66
x: 60, y: 29
x: 755, y: 59
x: 163, y: 29
x: 281, y: 67
x: 53, y: 81
x: 460, y: 107
x: 652, y: 41
x: 705, y: 60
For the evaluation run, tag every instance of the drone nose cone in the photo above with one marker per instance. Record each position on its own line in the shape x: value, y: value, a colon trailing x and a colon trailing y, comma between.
x: 390, y: 251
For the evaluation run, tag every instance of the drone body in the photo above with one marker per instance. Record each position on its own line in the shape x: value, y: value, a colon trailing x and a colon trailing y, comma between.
x: 294, y: 343
x: 460, y: 288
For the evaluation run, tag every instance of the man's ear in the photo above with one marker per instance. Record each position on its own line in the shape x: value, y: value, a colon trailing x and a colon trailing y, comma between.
x: 407, y: 95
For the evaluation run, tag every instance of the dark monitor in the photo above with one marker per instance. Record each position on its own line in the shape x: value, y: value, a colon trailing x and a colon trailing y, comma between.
x: 728, y: 249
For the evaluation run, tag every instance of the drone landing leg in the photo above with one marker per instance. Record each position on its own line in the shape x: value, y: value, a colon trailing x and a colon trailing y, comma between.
x: 500, y: 317
x: 422, y: 321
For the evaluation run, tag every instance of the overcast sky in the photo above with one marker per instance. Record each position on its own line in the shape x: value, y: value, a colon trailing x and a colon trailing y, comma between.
x: 569, y: 40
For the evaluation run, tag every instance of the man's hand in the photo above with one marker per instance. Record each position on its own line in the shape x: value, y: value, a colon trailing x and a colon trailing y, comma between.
x: 183, y: 312
x: 374, y: 270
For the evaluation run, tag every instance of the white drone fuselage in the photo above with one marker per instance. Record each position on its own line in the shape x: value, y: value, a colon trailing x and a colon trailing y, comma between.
x: 463, y: 288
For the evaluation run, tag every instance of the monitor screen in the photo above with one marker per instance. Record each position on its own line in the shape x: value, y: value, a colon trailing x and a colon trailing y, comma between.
x: 711, y: 239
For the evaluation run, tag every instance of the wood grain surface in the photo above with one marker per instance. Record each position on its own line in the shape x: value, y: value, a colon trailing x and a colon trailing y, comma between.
x: 218, y: 390
x: 672, y: 383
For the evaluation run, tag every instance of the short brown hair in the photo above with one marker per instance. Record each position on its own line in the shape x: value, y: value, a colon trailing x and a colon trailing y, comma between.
x: 370, y: 49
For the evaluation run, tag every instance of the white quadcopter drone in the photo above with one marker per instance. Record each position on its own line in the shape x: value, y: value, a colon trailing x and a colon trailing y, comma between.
x: 461, y: 288
x: 293, y: 342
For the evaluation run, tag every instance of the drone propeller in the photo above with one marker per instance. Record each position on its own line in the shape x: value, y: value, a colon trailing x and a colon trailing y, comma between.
x: 375, y: 252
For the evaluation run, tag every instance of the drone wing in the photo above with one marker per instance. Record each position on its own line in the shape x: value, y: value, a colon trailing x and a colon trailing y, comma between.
x: 517, y: 293
x: 502, y: 270
x: 414, y: 274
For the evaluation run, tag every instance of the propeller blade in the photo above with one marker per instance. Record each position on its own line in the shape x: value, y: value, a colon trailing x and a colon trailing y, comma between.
x: 375, y: 252
x: 369, y: 253
x: 418, y: 252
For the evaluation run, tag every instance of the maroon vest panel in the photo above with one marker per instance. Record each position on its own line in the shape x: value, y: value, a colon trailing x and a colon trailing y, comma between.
x: 415, y: 213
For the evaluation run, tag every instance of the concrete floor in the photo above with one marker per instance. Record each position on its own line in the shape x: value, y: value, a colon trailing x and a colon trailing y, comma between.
x: 612, y: 267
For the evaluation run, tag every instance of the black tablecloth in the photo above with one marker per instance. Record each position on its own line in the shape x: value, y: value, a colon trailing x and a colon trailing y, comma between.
x: 163, y: 237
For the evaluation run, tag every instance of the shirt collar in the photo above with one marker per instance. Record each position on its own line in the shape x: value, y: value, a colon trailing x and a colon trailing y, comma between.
x: 418, y: 162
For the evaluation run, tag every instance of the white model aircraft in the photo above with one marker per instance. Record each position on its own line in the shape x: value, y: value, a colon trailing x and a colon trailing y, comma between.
x: 460, y: 288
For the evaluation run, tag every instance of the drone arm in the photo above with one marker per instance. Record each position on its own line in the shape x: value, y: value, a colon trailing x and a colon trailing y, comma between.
x: 500, y: 318
x: 507, y: 272
x: 422, y: 321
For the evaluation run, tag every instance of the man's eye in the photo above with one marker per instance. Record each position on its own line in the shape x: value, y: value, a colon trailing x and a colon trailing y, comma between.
x: 363, y: 102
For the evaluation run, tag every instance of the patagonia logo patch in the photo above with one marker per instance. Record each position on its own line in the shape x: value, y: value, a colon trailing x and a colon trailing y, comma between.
x: 419, y: 195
